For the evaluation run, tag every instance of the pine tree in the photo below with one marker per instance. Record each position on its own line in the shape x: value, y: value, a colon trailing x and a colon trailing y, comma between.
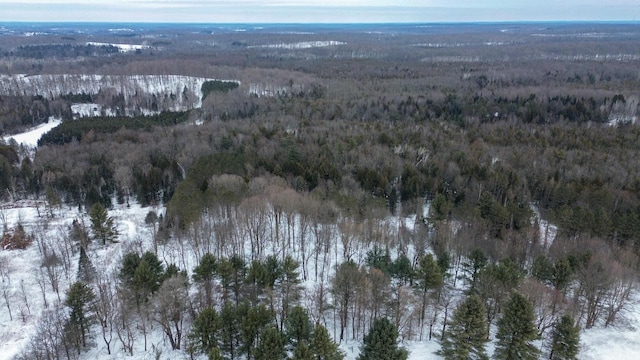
x: 467, y: 333
x: 302, y: 352
x: 476, y: 261
x: 298, y: 327
x: 130, y: 263
x: 428, y: 277
x: 323, y: 347
x: 402, y: 270
x: 205, y: 331
x: 288, y: 284
x: 86, y: 270
x: 156, y: 267
x: 215, y: 354
x: 565, y: 339
x: 102, y: 224
x: 230, y: 331
x: 271, y: 346
x: 381, y: 343
x: 516, y: 331
x: 79, y: 297
x: 204, y: 273
x: 253, y: 319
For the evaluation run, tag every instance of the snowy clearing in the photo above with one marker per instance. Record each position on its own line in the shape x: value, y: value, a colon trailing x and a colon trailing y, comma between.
x: 121, y: 47
x: 30, y: 137
x: 301, y: 45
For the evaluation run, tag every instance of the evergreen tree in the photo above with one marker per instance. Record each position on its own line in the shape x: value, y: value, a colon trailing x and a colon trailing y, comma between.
x: 476, y: 261
x: 155, y: 265
x: 204, y: 273
x: 298, y: 327
x: 565, y: 339
x: 271, y: 346
x: 428, y: 277
x: 79, y: 297
x: 130, y: 263
x: 86, y: 270
x: 144, y: 283
x: 174, y: 270
x: 323, y: 346
x: 102, y: 224
x: 143, y: 275
x: 252, y: 321
x: 542, y: 269
x: 256, y: 279
x: 232, y: 273
x: 516, y: 331
x: 562, y: 273
x: 402, y: 270
x: 288, y: 284
x: 381, y: 343
x: 379, y: 259
x: 205, y: 331
x: 466, y: 335
x: 428, y: 274
x: 230, y: 331
x: 302, y: 352
x: 215, y: 354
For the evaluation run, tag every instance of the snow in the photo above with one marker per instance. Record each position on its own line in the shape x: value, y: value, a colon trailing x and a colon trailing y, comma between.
x: 615, y: 120
x: 30, y: 137
x: 301, y: 45
x: 121, y: 47
x: 547, y: 231
x: 92, y: 110
x: 617, y: 342
x: 168, y: 89
x: 271, y: 90
x: 621, y: 341
x: 22, y: 267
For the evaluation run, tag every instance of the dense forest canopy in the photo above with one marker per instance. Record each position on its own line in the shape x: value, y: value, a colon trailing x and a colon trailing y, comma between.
x: 495, y: 129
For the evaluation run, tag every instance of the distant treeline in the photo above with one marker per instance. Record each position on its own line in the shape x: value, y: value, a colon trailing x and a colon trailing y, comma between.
x: 63, y: 51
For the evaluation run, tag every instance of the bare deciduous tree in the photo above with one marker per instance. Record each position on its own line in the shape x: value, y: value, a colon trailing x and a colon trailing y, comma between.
x: 170, y: 306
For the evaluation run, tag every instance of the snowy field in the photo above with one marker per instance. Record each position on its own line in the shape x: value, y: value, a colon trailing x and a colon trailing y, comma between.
x: 301, y: 45
x: 121, y: 47
x: 30, y: 137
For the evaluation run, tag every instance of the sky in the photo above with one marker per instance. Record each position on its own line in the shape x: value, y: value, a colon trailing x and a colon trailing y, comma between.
x: 317, y: 11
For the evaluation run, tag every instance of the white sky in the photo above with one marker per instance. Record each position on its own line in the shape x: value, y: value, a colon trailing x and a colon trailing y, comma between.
x: 327, y: 11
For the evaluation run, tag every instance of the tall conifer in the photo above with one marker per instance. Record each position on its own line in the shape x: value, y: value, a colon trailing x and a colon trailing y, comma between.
x: 516, y: 331
x: 467, y: 333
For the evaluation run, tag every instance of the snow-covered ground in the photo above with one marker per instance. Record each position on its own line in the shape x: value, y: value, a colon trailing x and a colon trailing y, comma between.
x: 30, y: 137
x: 301, y: 45
x: 21, y: 269
x: 176, y: 92
x: 620, y: 341
x: 547, y: 231
x: 121, y: 47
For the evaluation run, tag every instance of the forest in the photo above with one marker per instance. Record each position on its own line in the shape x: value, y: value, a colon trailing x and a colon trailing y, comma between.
x: 462, y: 186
